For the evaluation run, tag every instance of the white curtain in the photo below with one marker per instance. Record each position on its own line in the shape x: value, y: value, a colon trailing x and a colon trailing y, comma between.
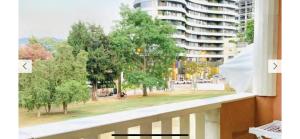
x: 239, y: 70
x: 265, y: 38
x: 250, y: 67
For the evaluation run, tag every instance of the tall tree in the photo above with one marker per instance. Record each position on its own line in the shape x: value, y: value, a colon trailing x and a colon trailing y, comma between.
x: 145, y: 48
x: 101, y: 64
x: 71, y: 82
x: 79, y: 37
x: 34, y: 87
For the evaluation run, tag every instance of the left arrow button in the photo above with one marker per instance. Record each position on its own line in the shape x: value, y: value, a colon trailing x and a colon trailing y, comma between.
x: 25, y: 66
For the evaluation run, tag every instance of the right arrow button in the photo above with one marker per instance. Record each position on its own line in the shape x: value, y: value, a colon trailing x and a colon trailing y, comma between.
x: 274, y: 66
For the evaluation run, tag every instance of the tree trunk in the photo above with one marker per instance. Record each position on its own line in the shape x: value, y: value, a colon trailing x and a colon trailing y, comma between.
x: 145, y: 70
x: 38, y: 115
x: 49, y: 108
x: 46, y: 110
x: 94, y: 91
x: 119, y: 86
x: 65, y: 108
x: 145, y: 90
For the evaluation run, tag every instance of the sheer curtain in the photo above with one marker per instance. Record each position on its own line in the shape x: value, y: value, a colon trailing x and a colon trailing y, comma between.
x: 249, y: 69
x: 265, y: 40
x: 239, y: 70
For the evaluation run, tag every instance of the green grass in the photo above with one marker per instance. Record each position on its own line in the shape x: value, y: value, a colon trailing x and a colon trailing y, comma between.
x: 112, y: 104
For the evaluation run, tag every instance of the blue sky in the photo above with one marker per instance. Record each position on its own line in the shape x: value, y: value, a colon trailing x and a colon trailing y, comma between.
x: 53, y: 18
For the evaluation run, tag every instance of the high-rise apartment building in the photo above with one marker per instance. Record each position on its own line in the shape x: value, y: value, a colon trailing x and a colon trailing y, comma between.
x: 246, y: 12
x: 202, y: 26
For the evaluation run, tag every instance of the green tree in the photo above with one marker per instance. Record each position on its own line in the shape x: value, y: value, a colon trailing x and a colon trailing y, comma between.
x: 33, y: 40
x: 34, y: 87
x: 249, y: 33
x: 192, y: 67
x: 71, y: 80
x: 144, y: 47
x: 101, y: 62
x: 51, y: 79
x: 71, y: 91
x: 78, y: 37
x: 49, y: 43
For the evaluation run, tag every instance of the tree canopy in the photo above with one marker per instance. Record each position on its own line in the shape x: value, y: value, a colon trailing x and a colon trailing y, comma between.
x: 101, y: 62
x: 34, y: 51
x: 49, y: 80
x: 249, y: 34
x: 145, y: 48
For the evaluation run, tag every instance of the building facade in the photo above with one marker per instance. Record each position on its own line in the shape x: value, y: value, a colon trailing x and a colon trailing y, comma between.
x: 246, y: 13
x: 202, y: 26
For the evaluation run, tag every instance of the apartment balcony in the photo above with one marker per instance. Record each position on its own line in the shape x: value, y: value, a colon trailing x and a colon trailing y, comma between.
x: 204, y: 40
x: 179, y: 1
x: 212, y: 55
x: 196, y: 40
x: 171, y: 17
x: 179, y: 36
x: 172, y: 8
x: 206, y: 48
x: 212, y: 11
x: 204, y: 2
x: 211, y: 33
x: 205, y: 116
x: 180, y: 27
x: 212, y: 18
x: 194, y: 24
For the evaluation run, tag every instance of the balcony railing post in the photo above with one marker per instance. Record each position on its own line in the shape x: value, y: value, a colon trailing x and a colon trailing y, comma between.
x: 121, y: 131
x: 166, y: 128
x: 146, y: 128
x: 200, y: 125
x: 93, y: 137
x: 184, y: 126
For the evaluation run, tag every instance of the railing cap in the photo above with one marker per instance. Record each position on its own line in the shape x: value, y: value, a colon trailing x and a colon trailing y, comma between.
x: 118, y: 117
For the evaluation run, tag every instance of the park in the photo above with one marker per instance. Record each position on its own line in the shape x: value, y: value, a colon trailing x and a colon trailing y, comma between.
x: 68, y: 75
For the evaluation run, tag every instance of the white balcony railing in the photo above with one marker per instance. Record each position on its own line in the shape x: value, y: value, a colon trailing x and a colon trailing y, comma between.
x: 204, y: 2
x: 207, y: 48
x: 204, y: 111
x: 172, y: 8
x: 210, y: 33
x: 205, y: 55
x: 212, y: 18
x: 210, y: 26
x: 171, y: 17
x: 212, y: 11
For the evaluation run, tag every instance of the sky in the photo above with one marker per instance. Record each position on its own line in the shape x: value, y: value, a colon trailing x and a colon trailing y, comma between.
x: 54, y: 18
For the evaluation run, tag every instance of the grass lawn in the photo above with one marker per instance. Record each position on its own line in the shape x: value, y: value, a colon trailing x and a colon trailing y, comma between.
x: 112, y: 104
